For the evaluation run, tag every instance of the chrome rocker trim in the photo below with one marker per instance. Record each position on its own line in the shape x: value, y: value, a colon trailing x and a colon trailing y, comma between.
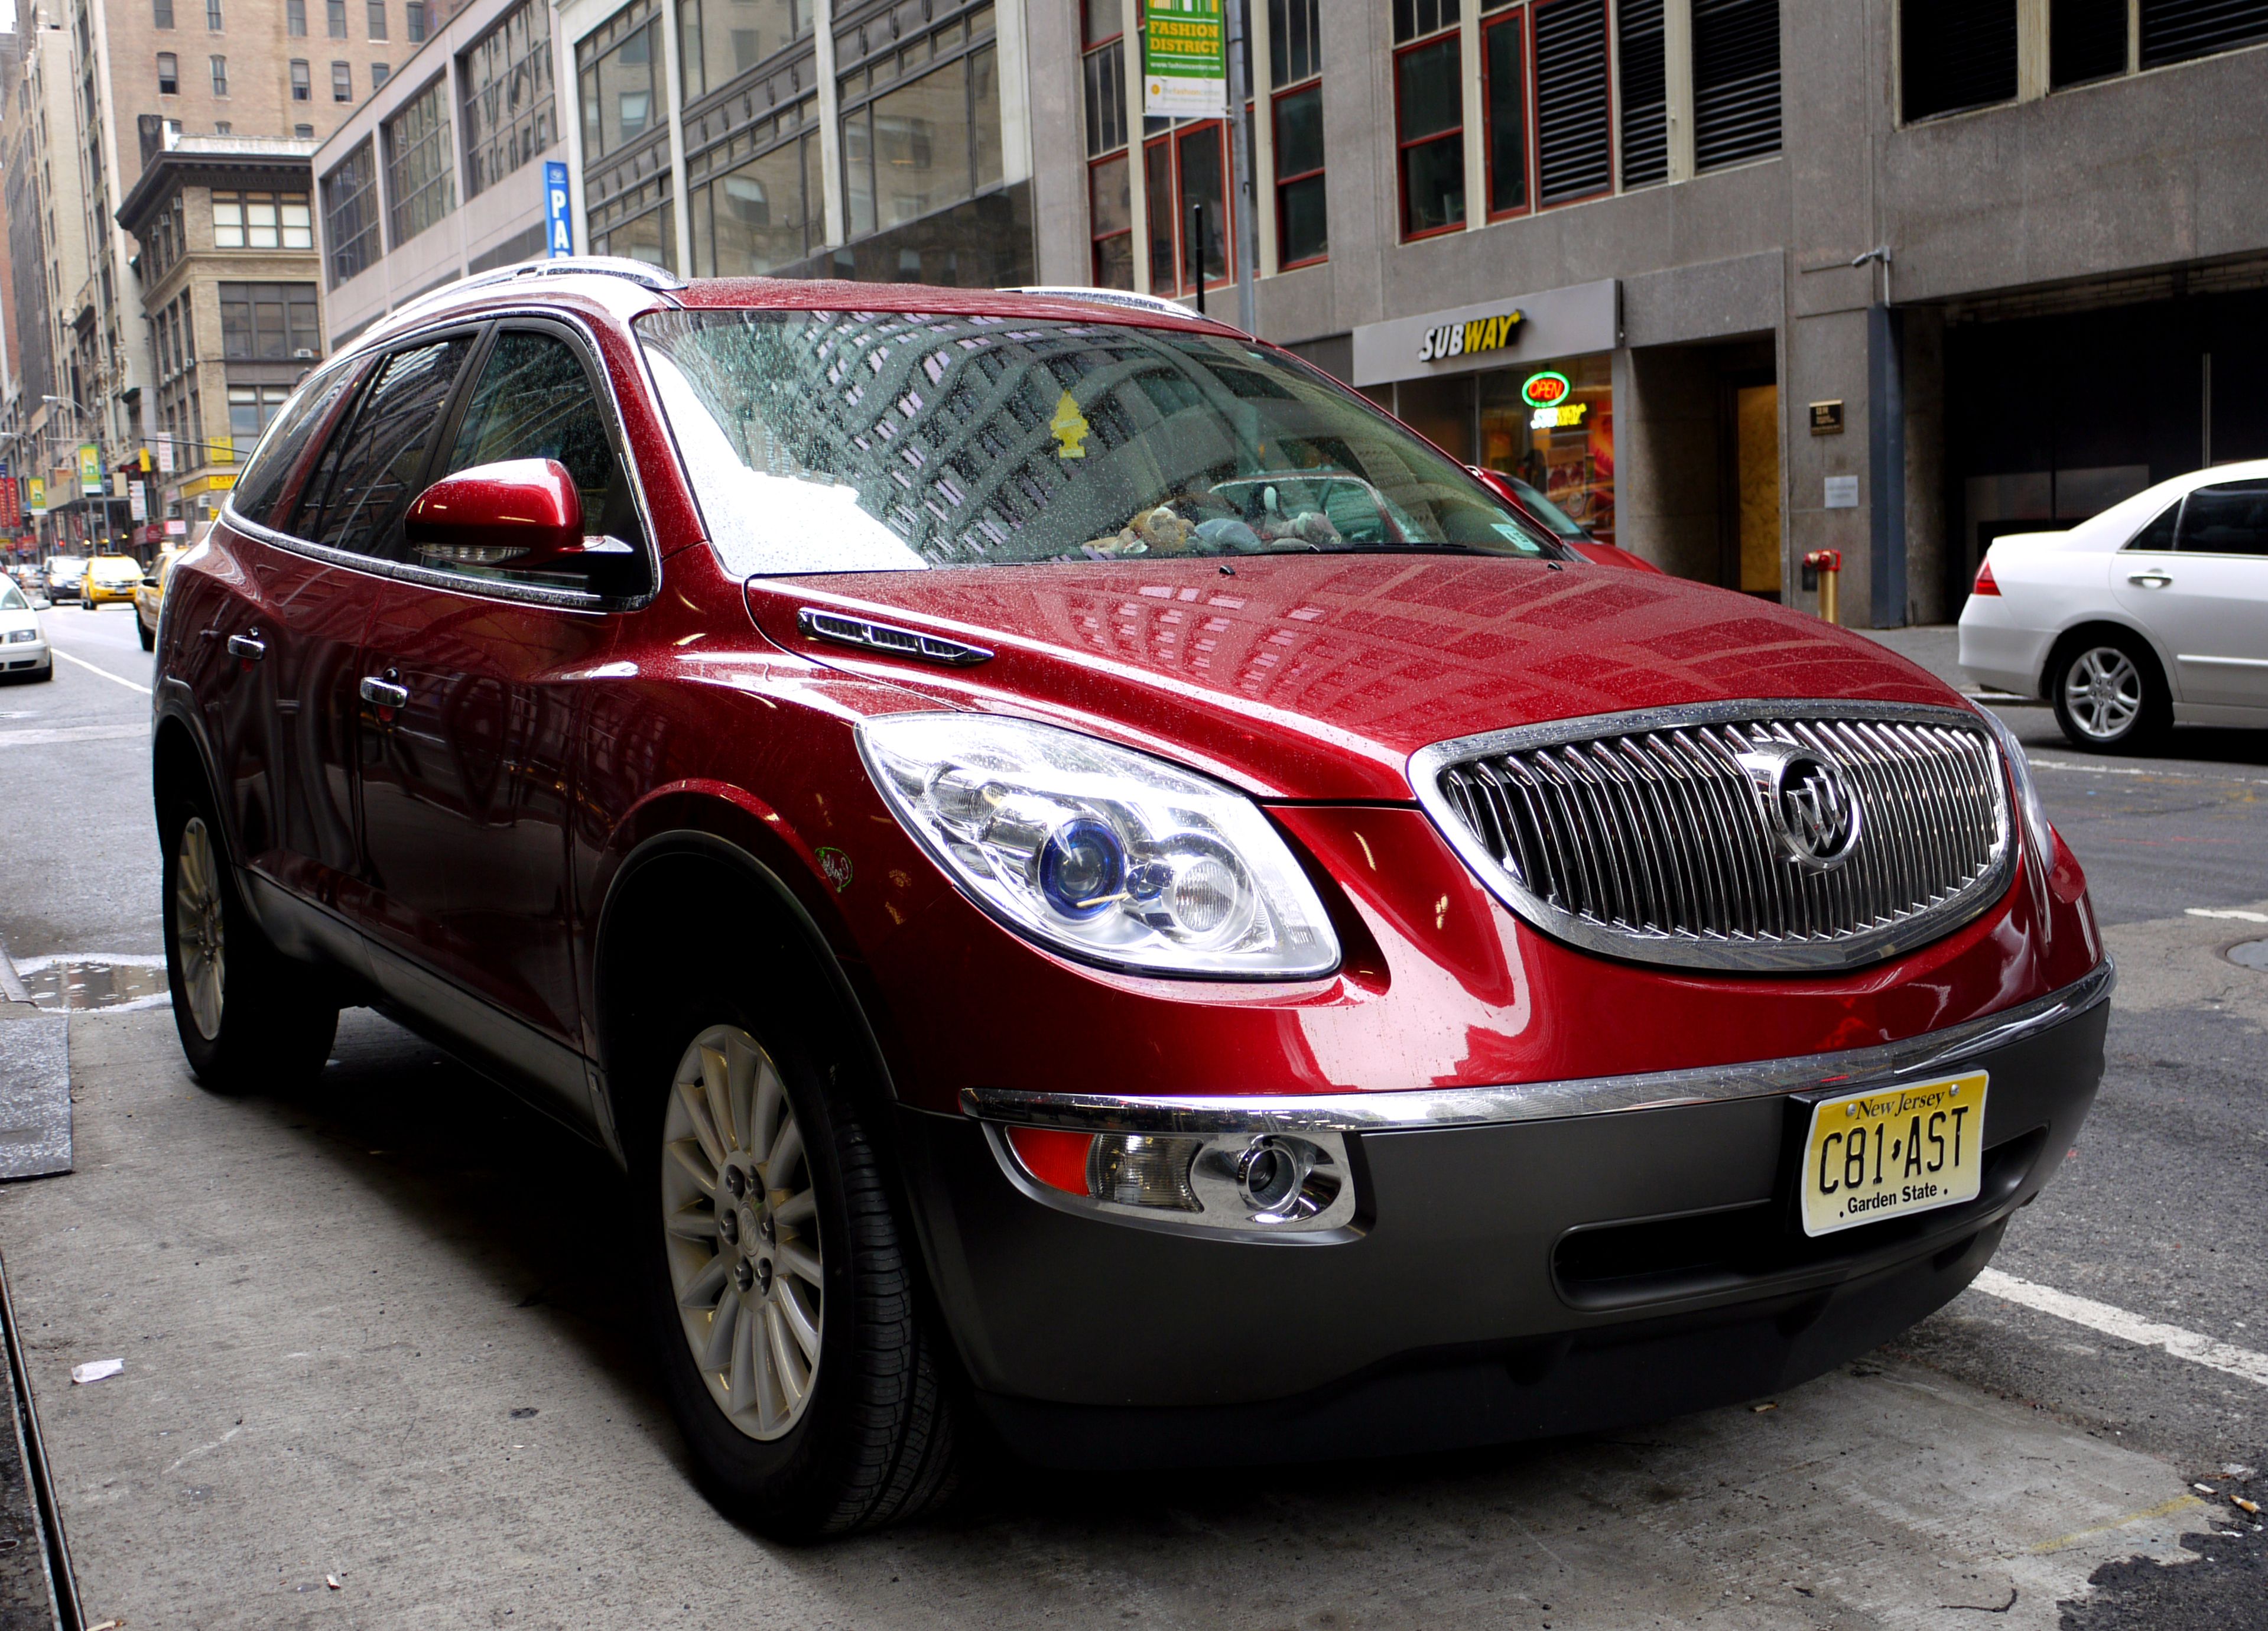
x: 1405, y: 1110
x: 1759, y: 956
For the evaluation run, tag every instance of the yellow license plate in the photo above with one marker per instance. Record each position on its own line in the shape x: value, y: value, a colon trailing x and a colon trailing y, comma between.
x: 1893, y: 1152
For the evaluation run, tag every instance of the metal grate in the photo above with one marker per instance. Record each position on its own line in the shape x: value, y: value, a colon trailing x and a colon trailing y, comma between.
x: 1574, y: 146
x: 1657, y: 838
x: 1735, y: 81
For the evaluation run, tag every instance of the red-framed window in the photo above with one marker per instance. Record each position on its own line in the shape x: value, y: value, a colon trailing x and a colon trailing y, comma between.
x: 1504, y: 71
x: 1429, y: 116
x: 1109, y: 199
x: 1182, y: 168
x: 1295, y: 50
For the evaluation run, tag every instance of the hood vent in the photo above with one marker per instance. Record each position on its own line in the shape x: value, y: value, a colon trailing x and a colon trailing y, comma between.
x: 888, y: 640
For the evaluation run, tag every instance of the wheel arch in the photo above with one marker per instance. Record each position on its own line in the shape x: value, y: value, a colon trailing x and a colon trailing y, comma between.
x: 2065, y: 645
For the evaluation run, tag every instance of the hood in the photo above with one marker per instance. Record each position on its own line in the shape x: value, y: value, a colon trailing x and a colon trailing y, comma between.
x: 1317, y: 676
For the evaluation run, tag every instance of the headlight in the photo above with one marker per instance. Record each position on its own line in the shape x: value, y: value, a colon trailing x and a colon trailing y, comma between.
x: 17, y: 637
x: 2039, y: 832
x: 1108, y: 854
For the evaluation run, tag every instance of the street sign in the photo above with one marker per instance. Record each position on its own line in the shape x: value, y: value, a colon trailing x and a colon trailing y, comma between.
x: 559, y: 234
x: 1184, y: 59
x: 137, y: 507
x: 39, y: 495
x: 90, y: 470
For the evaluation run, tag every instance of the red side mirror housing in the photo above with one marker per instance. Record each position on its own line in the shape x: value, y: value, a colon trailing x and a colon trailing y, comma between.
x: 521, y: 512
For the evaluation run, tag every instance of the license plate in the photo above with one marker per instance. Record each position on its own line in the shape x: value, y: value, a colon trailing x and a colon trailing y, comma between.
x: 1893, y: 1152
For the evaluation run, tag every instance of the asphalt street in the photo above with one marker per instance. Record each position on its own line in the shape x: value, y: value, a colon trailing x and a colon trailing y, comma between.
x: 377, y: 1336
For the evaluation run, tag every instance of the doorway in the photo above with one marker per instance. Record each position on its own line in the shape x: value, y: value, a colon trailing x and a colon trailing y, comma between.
x: 1750, y: 519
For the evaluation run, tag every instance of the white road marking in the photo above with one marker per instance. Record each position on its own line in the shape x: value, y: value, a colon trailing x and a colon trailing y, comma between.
x: 113, y: 678
x: 2239, y: 914
x: 2039, y: 764
x: 2117, y: 1322
x: 33, y: 737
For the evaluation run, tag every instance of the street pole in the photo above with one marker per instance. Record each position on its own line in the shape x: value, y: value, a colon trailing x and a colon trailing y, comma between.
x: 1239, y: 174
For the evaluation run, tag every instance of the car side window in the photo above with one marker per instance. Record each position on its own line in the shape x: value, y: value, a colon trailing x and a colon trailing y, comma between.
x: 375, y: 466
x: 2159, y: 535
x: 534, y: 400
x: 2230, y: 518
x: 256, y: 495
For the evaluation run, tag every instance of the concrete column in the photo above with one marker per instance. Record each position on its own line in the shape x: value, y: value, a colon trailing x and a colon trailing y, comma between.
x: 830, y: 124
x: 673, y: 98
x: 1886, y: 467
x: 1827, y: 358
x: 1468, y: 58
x: 1668, y: 508
x: 1137, y: 196
x: 1930, y: 598
x: 2031, y: 49
x: 1677, y: 84
x: 1263, y: 139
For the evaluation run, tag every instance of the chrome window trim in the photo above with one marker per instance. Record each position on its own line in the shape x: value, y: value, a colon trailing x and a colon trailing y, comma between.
x: 1888, y: 1064
x: 525, y: 593
x: 1690, y: 951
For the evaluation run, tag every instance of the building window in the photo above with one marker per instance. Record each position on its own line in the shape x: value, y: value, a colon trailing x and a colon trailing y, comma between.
x: 1735, y: 81
x: 1110, y: 201
x: 766, y: 214
x: 302, y: 132
x: 299, y: 81
x: 1574, y: 155
x: 295, y: 18
x: 350, y: 214
x: 2180, y: 31
x: 620, y: 90
x: 915, y: 145
x: 377, y: 19
x: 212, y: 16
x: 334, y: 17
x: 1429, y: 116
x: 251, y: 408
x: 2087, y: 41
x: 510, y: 113
x: 221, y: 126
x: 718, y: 41
x: 1955, y: 54
x: 420, y: 172
x: 414, y: 16
x: 342, y: 83
x: 1190, y: 232
x: 1295, y: 66
x: 169, y: 74
x: 1503, y: 103
x: 220, y: 76
x: 262, y: 221
x: 161, y: 13
x: 1642, y: 90
x: 268, y: 322
x: 380, y: 73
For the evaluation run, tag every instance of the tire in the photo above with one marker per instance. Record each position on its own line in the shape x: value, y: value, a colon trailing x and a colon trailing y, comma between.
x: 874, y: 1439
x: 149, y: 635
x: 249, y: 1018
x: 2109, y: 695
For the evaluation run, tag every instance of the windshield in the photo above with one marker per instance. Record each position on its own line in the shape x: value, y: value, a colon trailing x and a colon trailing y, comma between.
x: 66, y: 565
x: 859, y: 441
x: 11, y: 598
x: 117, y: 569
x: 1562, y: 524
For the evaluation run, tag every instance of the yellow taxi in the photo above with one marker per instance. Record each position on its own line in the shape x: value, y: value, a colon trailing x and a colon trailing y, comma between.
x: 109, y: 577
x: 150, y: 594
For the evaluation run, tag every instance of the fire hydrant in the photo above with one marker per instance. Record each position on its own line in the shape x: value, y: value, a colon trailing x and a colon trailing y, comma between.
x: 1823, y: 569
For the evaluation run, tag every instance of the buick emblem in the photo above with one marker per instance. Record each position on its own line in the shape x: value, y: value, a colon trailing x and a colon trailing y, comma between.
x: 1810, y: 807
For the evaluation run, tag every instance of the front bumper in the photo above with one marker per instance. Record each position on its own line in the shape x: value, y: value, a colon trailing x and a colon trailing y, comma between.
x: 1526, y: 1262
x: 29, y: 657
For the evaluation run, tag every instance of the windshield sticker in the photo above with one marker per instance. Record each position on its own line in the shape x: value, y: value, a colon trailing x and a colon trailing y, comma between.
x: 1070, y: 429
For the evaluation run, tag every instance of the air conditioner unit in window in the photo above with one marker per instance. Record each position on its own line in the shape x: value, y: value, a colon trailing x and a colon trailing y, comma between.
x: 303, y: 355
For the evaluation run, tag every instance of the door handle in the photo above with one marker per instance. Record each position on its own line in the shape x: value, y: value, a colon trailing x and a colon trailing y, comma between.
x: 246, y: 646
x: 2149, y: 579
x: 384, y: 694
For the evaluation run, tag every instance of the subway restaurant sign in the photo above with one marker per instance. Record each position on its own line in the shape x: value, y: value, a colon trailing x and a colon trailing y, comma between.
x: 1184, y: 58
x: 1478, y: 334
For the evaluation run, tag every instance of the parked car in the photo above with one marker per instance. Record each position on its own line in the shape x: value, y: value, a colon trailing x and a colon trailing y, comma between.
x: 23, y: 651
x: 66, y: 575
x: 2153, y: 613
x: 1571, y: 535
x: 109, y: 579
x: 150, y: 595
x: 1382, y: 990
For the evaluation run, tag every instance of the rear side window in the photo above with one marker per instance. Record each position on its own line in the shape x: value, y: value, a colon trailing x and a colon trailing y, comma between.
x: 277, y: 456
x: 373, y: 468
x: 2230, y: 519
x: 535, y: 400
x: 2159, y: 535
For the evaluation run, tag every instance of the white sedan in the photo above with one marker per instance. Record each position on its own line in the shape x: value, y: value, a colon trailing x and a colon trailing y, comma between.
x: 2154, y: 611
x: 24, y: 653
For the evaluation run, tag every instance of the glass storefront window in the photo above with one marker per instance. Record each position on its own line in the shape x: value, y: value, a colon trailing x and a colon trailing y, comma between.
x: 720, y: 39
x: 1551, y: 425
x: 763, y: 215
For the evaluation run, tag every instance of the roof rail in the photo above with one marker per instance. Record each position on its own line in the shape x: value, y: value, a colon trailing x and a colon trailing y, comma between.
x: 1156, y: 303
x: 640, y: 272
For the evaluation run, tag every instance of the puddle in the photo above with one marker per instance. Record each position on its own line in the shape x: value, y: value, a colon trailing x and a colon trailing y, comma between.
x: 79, y: 982
x: 2253, y: 954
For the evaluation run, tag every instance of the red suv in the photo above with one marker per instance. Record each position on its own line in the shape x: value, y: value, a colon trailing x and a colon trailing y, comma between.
x: 1099, y: 889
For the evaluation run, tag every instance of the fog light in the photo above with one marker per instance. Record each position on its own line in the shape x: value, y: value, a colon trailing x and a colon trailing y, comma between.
x: 1269, y: 1174
x: 1130, y: 1170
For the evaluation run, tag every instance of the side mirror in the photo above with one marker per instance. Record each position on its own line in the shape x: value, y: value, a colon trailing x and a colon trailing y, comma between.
x: 523, y: 514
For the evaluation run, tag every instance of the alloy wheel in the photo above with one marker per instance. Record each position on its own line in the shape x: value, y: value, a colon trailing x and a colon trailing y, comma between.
x: 741, y: 1225
x: 2102, y: 691
x: 199, y: 936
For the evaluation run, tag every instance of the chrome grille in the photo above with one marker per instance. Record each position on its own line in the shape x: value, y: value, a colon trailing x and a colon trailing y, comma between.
x: 1655, y: 835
